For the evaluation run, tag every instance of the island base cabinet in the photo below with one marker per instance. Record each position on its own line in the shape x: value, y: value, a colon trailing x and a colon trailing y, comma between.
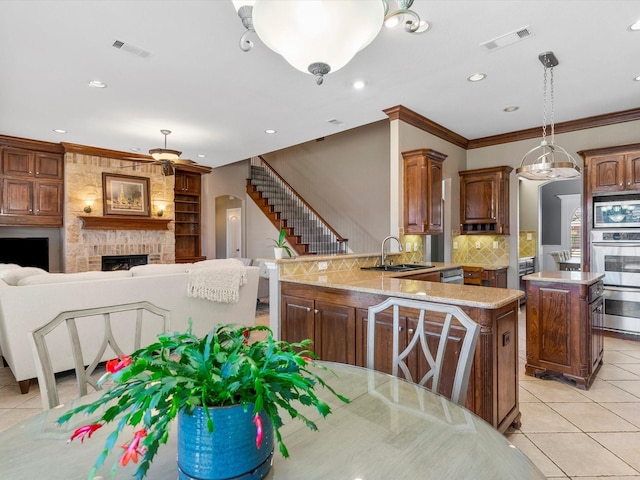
x: 564, y: 331
x: 336, y: 320
x: 331, y: 327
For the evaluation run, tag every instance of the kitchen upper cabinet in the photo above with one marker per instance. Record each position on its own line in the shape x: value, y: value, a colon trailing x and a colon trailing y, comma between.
x: 423, y: 191
x: 614, y: 173
x: 32, y: 187
x: 484, y: 201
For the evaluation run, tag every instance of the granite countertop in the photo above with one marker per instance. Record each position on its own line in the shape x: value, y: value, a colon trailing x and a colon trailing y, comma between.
x: 395, y: 284
x: 552, y: 276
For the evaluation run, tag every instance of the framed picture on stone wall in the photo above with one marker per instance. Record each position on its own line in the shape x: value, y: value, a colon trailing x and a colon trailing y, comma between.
x: 125, y: 195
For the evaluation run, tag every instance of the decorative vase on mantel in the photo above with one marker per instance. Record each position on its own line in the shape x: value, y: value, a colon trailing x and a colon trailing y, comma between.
x: 230, y: 451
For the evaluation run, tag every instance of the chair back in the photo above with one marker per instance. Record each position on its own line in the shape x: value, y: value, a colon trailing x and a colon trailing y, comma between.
x: 100, y: 338
x: 437, y: 328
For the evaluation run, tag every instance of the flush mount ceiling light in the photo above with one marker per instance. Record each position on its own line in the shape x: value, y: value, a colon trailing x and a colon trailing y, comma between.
x: 160, y: 154
x: 319, y: 36
x: 476, y: 77
x: 548, y: 161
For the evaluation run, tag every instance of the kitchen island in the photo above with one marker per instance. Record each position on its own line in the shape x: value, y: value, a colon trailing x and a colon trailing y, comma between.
x: 330, y: 307
x: 565, y: 316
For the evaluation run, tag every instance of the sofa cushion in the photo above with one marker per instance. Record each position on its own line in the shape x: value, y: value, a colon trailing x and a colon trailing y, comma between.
x: 8, y: 266
x: 158, y: 269
x: 14, y: 275
x: 72, y: 277
x: 217, y: 263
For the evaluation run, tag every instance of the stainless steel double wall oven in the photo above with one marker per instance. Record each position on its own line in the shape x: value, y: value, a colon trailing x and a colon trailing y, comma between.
x: 615, y: 251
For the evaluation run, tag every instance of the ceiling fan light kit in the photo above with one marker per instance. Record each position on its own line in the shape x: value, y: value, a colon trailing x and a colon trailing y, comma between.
x: 548, y: 161
x: 160, y: 154
x: 319, y: 36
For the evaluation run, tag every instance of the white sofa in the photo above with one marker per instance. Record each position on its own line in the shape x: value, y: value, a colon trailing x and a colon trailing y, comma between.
x: 31, y: 297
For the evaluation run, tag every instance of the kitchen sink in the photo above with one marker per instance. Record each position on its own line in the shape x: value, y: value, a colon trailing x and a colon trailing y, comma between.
x: 401, y: 267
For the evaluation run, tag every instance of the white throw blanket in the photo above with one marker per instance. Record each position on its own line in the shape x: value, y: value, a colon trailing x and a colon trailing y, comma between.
x: 218, y: 281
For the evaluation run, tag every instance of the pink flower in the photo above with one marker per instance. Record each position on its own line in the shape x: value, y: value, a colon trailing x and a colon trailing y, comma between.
x: 118, y: 364
x: 134, y: 449
x: 85, y: 431
x: 258, y: 421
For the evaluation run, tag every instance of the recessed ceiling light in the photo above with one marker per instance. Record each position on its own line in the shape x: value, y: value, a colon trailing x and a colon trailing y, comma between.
x: 59, y: 130
x: 511, y: 109
x: 423, y: 26
x: 97, y: 84
x: 134, y: 149
x: 202, y: 155
x: 359, y: 84
x: 634, y: 27
x: 637, y: 79
x: 270, y: 131
x: 476, y: 77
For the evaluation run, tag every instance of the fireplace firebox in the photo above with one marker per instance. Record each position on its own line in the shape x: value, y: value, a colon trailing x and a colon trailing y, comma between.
x: 122, y: 262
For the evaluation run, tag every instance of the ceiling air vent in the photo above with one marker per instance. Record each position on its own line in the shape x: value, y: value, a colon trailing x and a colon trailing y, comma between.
x: 127, y: 47
x: 508, y: 39
x: 335, y: 122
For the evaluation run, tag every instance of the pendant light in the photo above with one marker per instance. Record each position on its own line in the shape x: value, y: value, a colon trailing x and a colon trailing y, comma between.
x: 160, y: 154
x: 320, y: 36
x: 548, y: 161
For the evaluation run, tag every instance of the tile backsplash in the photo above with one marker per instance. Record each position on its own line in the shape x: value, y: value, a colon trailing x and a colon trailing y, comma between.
x: 481, y: 249
x: 527, y: 242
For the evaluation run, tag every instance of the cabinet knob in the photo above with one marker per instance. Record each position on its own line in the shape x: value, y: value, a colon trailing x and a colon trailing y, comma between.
x: 411, y: 331
x: 629, y: 182
x: 315, y: 311
x: 308, y: 309
x: 399, y: 329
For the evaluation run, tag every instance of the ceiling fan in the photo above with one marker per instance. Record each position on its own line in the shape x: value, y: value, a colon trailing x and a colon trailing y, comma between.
x: 166, y: 157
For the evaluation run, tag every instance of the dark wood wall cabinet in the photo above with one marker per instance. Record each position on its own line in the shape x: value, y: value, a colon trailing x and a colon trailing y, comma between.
x: 484, y: 201
x: 422, y: 171
x: 31, y: 183
x: 564, y: 329
x: 336, y: 321
x: 188, y: 211
x: 607, y: 171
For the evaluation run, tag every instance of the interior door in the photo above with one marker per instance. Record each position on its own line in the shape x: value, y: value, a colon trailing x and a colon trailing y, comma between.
x: 234, y: 232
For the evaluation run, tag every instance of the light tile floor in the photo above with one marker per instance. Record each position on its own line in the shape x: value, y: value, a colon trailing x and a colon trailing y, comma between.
x: 568, y: 433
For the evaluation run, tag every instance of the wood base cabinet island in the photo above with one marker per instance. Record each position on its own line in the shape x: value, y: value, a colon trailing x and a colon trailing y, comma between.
x: 565, y: 317
x: 336, y: 320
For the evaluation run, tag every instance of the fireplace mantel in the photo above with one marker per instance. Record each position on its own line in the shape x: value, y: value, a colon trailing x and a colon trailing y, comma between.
x: 124, y: 223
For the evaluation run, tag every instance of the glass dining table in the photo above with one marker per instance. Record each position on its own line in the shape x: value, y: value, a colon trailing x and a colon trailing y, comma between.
x: 391, y: 429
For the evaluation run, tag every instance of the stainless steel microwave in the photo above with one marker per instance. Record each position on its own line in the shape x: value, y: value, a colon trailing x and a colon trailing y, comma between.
x: 619, y: 213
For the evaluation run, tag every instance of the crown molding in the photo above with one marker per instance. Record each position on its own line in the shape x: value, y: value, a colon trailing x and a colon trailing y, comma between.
x: 412, y: 118
x: 564, y: 127
x: 26, y: 143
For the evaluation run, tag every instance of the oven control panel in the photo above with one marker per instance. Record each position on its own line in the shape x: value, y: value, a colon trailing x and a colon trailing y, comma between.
x: 615, y: 236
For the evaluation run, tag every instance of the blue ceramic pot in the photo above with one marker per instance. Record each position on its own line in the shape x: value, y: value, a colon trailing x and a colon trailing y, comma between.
x: 227, y: 453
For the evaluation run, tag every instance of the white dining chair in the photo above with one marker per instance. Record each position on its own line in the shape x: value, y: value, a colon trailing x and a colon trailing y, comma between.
x: 446, y: 316
x: 96, y: 337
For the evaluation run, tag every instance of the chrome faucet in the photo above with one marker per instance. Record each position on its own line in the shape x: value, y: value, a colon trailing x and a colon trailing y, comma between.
x: 383, y: 256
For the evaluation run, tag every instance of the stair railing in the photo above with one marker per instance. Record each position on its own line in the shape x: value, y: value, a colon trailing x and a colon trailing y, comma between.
x: 316, y: 231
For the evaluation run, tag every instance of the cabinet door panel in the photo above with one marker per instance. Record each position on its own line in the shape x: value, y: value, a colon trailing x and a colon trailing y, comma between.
x: 49, y: 198
x: 555, y: 325
x: 335, y: 330
x: 17, y: 162
x: 480, y: 196
x: 633, y: 172
x: 597, y: 340
x: 48, y: 165
x: 607, y: 174
x: 507, y: 353
x: 435, y: 198
x: 297, y: 319
x: 17, y: 197
x: 415, y: 196
x: 383, y: 342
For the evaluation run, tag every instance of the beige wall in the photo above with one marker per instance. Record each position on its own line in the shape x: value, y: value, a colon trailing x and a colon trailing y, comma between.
x: 345, y: 178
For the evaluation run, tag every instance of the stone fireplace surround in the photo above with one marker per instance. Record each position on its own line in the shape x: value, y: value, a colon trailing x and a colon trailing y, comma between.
x: 82, y: 249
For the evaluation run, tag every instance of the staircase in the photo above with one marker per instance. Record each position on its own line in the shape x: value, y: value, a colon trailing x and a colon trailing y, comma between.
x: 307, y: 232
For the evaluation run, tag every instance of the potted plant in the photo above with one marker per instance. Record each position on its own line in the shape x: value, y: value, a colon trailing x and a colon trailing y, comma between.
x: 280, y: 245
x: 188, y: 377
